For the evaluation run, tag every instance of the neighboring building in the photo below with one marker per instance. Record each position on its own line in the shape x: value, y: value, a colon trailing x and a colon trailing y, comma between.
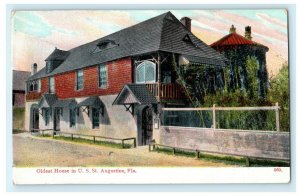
x: 19, y: 87
x: 116, y: 86
x: 237, y: 48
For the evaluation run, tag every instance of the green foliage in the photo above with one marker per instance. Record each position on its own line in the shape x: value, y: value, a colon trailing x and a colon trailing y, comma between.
x: 279, y: 92
x: 252, y: 81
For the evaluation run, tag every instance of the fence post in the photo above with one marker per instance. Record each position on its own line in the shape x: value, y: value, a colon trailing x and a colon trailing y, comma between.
x: 53, y: 134
x: 122, y: 143
x: 94, y: 139
x: 214, y: 117
x: 72, y: 136
x: 134, y: 142
x: 277, y: 117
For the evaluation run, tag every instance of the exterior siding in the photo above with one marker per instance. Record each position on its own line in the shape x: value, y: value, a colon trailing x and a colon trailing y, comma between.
x: 19, y: 99
x: 119, y: 74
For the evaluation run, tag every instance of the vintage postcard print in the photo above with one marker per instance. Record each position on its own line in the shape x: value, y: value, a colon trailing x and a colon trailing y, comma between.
x: 150, y: 96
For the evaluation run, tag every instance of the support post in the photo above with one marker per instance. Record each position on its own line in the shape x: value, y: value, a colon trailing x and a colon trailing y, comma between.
x: 53, y: 134
x: 174, y: 151
x: 158, y: 76
x: 122, y: 143
x: 72, y: 136
x: 277, y: 117
x: 94, y: 139
x: 214, y: 117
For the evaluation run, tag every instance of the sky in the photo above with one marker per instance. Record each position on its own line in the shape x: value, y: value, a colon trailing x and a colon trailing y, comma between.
x: 35, y: 34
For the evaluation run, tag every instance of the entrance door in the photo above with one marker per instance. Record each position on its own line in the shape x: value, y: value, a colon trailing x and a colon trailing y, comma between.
x: 147, y: 131
x: 96, y: 117
x: 57, y: 112
x: 35, y: 118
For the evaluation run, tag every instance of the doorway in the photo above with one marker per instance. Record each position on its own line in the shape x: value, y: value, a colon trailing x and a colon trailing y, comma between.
x: 34, y: 117
x: 147, y: 125
x: 57, y: 113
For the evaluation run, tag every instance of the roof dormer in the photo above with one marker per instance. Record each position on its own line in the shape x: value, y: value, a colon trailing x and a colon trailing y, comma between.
x: 104, y: 45
x: 56, y: 58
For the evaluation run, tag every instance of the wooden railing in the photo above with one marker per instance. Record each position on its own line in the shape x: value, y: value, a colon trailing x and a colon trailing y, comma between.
x: 166, y: 91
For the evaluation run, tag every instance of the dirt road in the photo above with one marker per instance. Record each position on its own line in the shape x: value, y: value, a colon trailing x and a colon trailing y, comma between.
x: 30, y: 151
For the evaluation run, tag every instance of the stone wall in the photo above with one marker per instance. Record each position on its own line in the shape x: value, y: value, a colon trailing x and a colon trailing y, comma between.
x: 262, y: 144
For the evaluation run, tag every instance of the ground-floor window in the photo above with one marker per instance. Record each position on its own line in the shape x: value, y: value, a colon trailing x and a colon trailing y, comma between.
x: 96, y: 117
x: 72, y: 117
x: 46, y: 115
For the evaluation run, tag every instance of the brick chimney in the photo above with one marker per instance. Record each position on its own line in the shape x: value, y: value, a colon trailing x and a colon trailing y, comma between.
x: 248, y: 33
x: 187, y: 22
x: 232, y: 29
x: 33, y: 68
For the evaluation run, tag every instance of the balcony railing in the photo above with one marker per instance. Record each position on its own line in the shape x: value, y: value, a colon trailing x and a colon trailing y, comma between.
x: 33, y: 96
x: 166, y: 91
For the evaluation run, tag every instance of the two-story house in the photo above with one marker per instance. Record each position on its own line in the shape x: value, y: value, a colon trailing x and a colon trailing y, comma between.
x: 115, y: 86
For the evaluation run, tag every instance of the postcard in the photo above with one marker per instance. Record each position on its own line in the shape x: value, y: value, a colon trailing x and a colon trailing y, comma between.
x: 150, y: 96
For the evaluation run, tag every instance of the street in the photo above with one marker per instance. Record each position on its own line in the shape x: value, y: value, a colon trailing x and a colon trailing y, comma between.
x: 32, y: 151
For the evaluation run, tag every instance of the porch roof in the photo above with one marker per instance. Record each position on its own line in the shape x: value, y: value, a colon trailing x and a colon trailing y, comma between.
x: 64, y: 103
x: 47, y: 100
x: 135, y: 93
x: 190, y: 59
x: 91, y: 101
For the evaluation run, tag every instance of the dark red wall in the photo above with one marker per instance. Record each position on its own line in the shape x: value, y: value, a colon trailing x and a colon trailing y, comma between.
x: 119, y: 74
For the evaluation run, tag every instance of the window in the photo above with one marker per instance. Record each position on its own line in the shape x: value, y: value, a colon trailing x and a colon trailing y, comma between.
x: 39, y: 85
x: 102, y: 76
x: 79, y: 80
x: 72, y: 117
x: 51, y: 85
x: 145, y: 72
x: 34, y: 86
x: 48, y: 66
x: 46, y: 114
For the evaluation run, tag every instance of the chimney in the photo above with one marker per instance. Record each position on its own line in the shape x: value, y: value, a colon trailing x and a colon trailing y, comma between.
x: 187, y: 22
x: 33, y: 68
x: 232, y: 29
x: 248, y: 32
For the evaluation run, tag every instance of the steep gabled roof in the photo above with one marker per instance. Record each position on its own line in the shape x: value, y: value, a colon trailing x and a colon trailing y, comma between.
x: 58, y: 55
x: 135, y: 94
x: 47, y: 100
x: 161, y: 33
x: 234, y: 39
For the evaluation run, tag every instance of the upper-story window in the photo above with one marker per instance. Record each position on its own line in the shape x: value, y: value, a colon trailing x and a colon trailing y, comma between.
x: 34, y: 85
x: 79, y: 79
x: 51, y: 85
x: 102, y: 76
x: 145, y: 72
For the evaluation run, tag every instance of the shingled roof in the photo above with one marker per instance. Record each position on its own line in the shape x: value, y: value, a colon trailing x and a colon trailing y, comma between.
x: 19, y: 79
x: 234, y: 39
x: 161, y: 33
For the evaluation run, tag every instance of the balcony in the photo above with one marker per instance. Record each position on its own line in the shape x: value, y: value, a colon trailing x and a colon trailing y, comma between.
x: 33, y: 96
x: 172, y: 91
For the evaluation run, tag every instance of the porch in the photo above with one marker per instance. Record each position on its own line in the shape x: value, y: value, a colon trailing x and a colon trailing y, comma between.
x: 166, y: 92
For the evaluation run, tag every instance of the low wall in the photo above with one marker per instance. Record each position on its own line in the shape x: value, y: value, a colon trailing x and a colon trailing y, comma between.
x: 245, y: 143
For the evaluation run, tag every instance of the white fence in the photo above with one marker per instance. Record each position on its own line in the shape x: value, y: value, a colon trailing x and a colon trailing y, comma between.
x: 275, y: 108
